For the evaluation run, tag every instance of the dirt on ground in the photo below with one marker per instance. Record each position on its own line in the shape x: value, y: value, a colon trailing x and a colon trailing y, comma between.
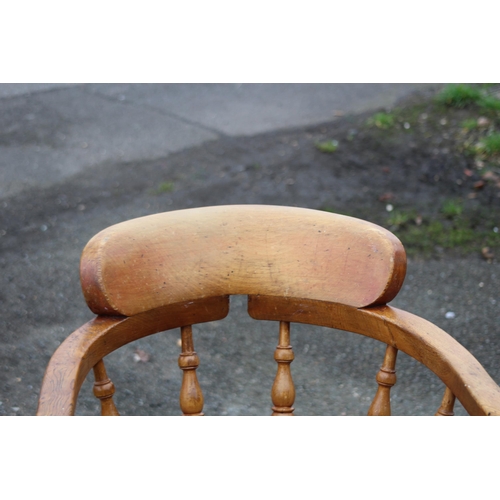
x: 412, y: 169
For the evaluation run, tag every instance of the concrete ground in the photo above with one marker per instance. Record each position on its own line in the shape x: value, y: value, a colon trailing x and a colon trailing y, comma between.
x: 50, y: 132
x: 77, y: 158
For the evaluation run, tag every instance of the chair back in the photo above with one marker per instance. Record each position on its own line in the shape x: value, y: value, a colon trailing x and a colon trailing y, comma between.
x: 176, y: 269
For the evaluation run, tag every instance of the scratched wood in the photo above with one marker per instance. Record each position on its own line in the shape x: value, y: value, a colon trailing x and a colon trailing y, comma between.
x: 104, y: 390
x: 177, y: 269
x: 85, y: 347
x: 420, y: 339
x: 182, y: 255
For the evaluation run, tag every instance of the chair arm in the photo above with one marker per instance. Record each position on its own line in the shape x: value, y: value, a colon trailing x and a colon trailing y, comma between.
x: 415, y: 336
x: 85, y: 347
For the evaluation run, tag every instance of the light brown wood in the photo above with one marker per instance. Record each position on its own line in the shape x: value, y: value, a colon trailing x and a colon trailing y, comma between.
x: 447, y: 404
x: 386, y: 378
x: 178, y: 269
x: 183, y: 255
x: 420, y: 339
x: 191, y: 397
x: 77, y: 355
x: 104, y: 390
x: 283, y: 391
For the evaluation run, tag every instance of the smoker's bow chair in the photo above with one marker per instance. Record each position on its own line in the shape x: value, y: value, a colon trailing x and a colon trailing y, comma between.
x: 179, y: 268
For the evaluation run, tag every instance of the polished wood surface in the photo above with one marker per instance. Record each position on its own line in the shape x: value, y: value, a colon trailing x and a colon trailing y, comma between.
x: 191, y: 397
x: 178, y: 269
x: 104, y: 390
x: 447, y: 404
x: 417, y: 337
x: 80, y: 352
x: 283, y: 391
x: 386, y: 378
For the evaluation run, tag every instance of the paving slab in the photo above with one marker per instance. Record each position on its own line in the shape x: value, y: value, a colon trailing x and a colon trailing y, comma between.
x: 246, y: 109
x: 13, y: 89
x: 49, y: 132
x: 49, y: 136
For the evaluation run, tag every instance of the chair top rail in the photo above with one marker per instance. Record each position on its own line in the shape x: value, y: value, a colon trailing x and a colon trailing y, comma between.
x: 161, y: 259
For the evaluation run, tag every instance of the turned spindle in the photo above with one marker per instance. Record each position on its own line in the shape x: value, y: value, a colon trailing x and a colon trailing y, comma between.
x: 447, y: 404
x: 386, y: 378
x: 191, y: 397
x: 283, y: 391
x: 104, y: 390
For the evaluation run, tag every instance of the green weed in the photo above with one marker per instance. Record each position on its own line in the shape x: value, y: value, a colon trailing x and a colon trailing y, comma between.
x: 492, y: 238
x: 453, y: 228
x: 427, y: 237
x: 164, y: 187
x: 452, y: 208
x: 399, y: 218
x: 327, y: 146
x: 459, y: 95
x: 489, y: 145
x: 456, y: 237
x: 382, y: 120
x: 490, y: 103
x: 470, y: 124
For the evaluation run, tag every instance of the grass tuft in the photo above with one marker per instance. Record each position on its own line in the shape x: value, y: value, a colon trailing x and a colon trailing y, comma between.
x: 470, y: 124
x: 382, y: 120
x: 164, y: 187
x: 462, y: 95
x: 452, y: 208
x: 327, y: 146
x: 459, y: 95
x: 399, y: 218
x: 490, y: 103
x: 490, y: 145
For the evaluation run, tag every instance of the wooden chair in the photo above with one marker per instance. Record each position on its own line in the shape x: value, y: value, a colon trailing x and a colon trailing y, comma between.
x: 176, y: 269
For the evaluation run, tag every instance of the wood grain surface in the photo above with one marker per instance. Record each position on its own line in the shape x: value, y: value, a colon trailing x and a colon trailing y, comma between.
x: 177, y: 269
x: 415, y: 336
x: 172, y: 257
